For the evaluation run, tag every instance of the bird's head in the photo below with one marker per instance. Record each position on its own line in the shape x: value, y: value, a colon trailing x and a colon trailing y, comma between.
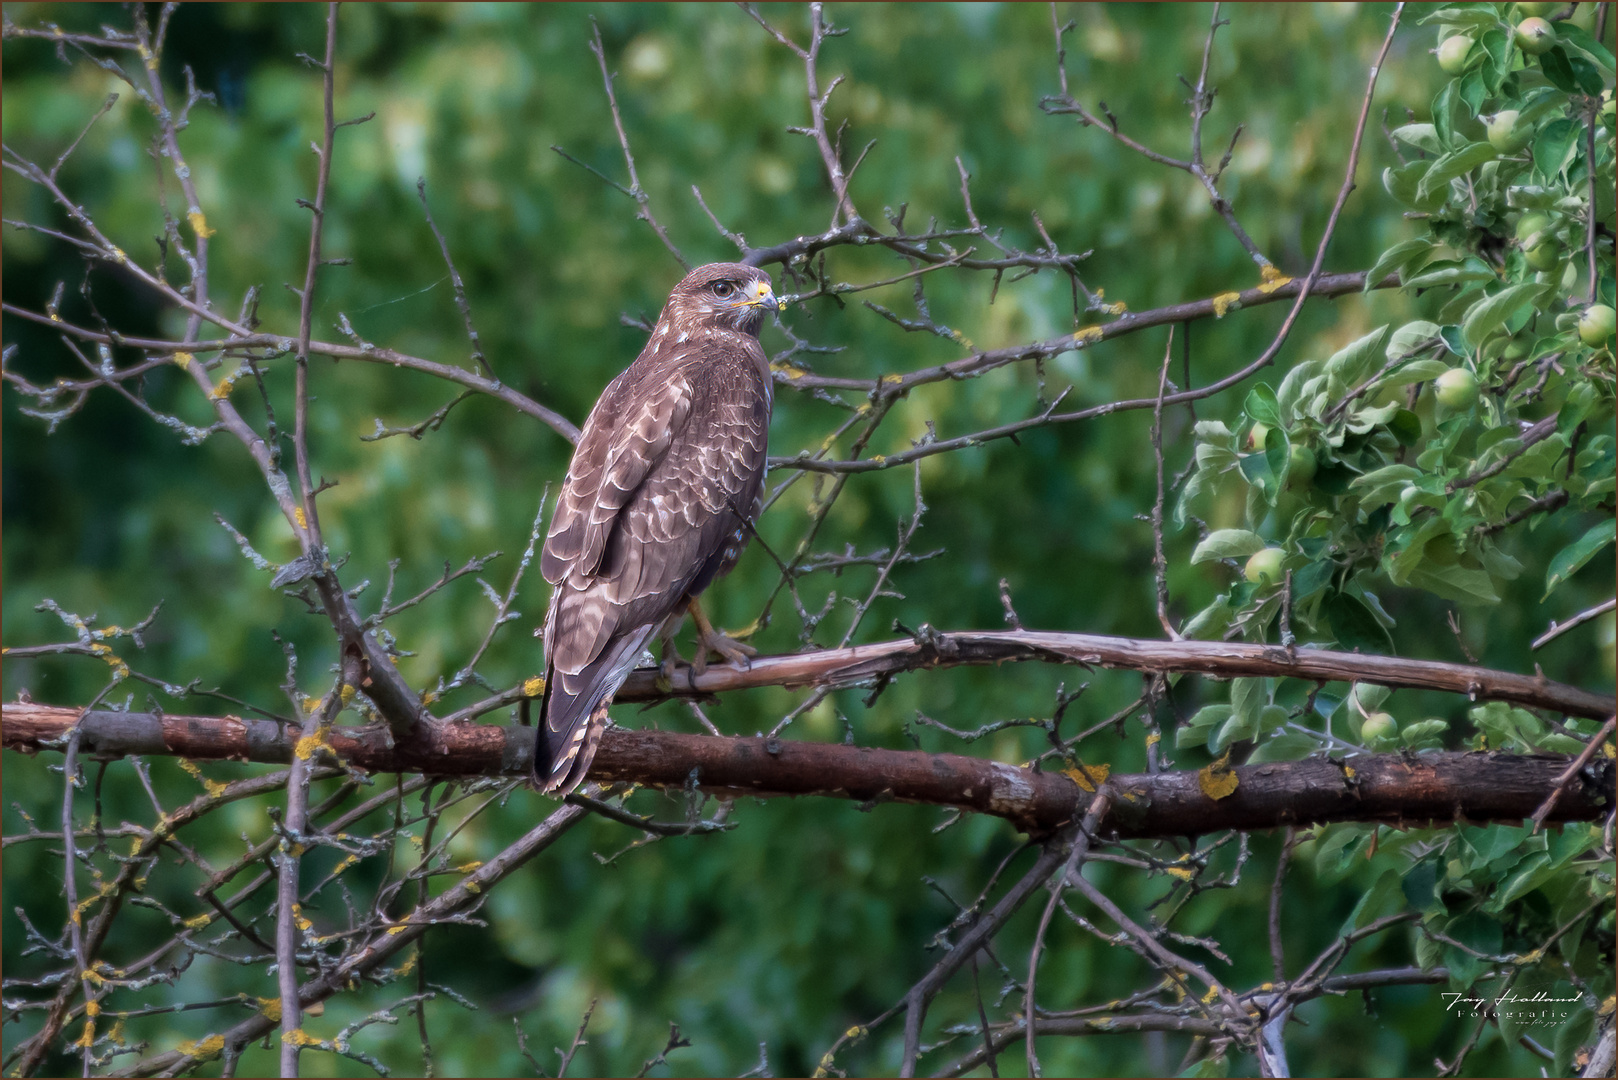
x: 730, y: 294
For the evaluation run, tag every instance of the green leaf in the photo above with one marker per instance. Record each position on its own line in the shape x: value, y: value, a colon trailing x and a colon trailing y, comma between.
x: 1406, y: 427
x: 1420, y: 885
x: 1246, y: 714
x: 1353, y: 625
x: 1424, y: 732
x: 1383, y: 485
x: 1571, y: 1036
x: 1568, y: 561
x: 1554, y: 146
x: 1414, y: 337
x: 1423, y: 137
x: 1375, y: 901
x: 1454, y: 582
x: 1451, y: 272
x: 1577, y: 37
x: 1489, y: 314
x: 1211, y: 621
x: 1311, y: 579
x: 1451, y: 166
x: 1586, y: 75
x: 1195, y: 731
x: 1260, y: 405
x: 1398, y: 257
x: 1414, y: 372
x: 1355, y: 361
x: 1289, y: 746
x: 1557, y: 69
x: 1403, y: 182
x: 1463, y: 15
x: 1227, y: 544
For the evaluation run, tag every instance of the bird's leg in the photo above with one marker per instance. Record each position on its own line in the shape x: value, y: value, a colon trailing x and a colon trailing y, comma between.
x: 671, y: 655
x: 710, y: 639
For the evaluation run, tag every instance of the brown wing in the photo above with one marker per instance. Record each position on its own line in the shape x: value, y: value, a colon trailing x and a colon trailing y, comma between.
x: 665, y: 480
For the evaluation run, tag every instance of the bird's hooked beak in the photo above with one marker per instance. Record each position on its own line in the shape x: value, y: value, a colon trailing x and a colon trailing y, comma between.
x: 759, y: 296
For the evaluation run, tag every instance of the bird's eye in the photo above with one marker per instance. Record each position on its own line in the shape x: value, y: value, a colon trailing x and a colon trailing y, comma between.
x: 724, y: 289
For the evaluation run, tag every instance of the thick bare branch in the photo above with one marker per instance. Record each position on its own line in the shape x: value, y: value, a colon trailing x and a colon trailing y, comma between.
x: 1438, y: 787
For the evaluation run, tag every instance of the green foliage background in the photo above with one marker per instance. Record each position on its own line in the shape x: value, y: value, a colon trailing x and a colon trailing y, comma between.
x: 812, y: 916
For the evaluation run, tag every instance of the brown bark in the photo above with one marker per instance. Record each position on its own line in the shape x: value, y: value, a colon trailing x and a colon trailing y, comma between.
x: 1398, y: 789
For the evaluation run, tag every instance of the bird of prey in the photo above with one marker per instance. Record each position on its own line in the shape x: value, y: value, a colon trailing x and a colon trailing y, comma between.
x: 660, y: 498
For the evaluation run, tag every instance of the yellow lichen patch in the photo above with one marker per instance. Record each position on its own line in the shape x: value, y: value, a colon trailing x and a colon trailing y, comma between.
x: 533, y: 687
x: 1184, y: 873
x: 270, y: 1007
x: 879, y: 459
x: 299, y: 921
x: 470, y: 868
x: 202, y: 1048
x: 1211, y: 995
x: 1089, y: 335
x: 301, y: 518
x: 473, y: 887
x: 409, y: 965
x: 346, y: 694
x: 429, y: 696
x: 1216, y: 780
x: 893, y: 380
x: 1273, y: 279
x: 1088, y: 776
x: 199, y: 224
x: 89, y: 1037
x: 1225, y: 302
x: 92, y: 1008
x: 344, y: 863
x: 401, y: 928
x: 78, y: 917
x: 307, y: 745
x: 1154, y: 738
x: 182, y: 360
x: 197, y: 922
x: 222, y: 391
x: 788, y: 370
x: 1528, y: 958
x: 213, y: 787
x: 299, y: 1037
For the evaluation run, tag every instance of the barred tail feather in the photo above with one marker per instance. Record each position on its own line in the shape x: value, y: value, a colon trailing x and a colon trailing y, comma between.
x: 573, y: 719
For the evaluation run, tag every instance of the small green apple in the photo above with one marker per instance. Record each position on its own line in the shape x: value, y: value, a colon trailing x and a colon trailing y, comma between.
x: 1264, y: 568
x: 1301, y: 467
x: 1597, y: 325
x: 1531, y: 225
x: 1453, y: 52
x: 1535, y: 36
x: 1504, y: 134
x: 1545, y: 255
x: 1256, y: 436
x: 1537, y: 8
x: 1379, y: 728
x: 1457, y: 388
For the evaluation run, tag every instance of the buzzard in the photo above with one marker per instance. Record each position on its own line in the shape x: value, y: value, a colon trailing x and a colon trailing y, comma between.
x: 659, y: 500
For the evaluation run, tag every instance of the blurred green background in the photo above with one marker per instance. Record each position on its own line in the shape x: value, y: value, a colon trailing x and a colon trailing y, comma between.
x: 811, y: 916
